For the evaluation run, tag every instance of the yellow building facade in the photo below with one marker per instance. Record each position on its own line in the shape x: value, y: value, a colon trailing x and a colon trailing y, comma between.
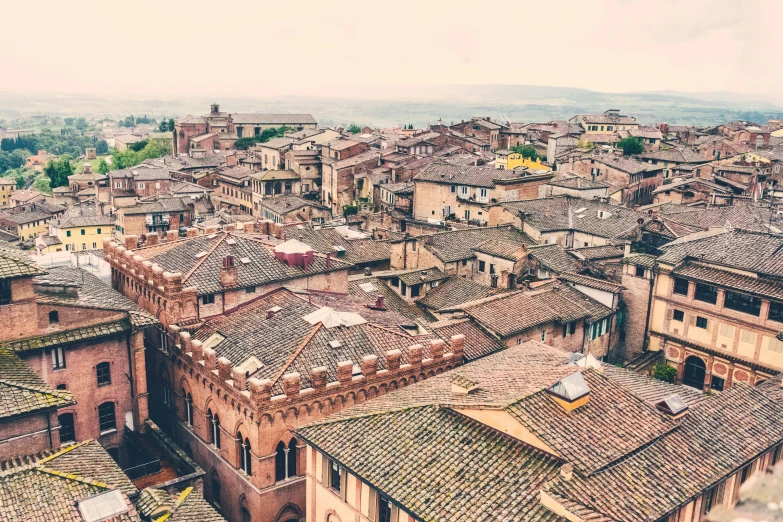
x: 7, y: 187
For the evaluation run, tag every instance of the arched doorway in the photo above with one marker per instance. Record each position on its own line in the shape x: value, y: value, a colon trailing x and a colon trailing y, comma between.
x: 695, y: 370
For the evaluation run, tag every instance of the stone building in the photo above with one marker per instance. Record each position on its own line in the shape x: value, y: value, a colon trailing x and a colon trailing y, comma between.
x: 241, y: 383
x: 637, y: 179
x: 717, y: 308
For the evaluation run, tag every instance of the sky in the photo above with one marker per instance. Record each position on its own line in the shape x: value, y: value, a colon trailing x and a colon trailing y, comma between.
x: 261, y: 48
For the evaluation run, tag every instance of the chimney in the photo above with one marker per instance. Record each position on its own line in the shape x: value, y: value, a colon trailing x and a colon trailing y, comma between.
x: 548, y: 212
x: 379, y: 304
x: 87, y: 168
x: 228, y: 274
x: 328, y: 260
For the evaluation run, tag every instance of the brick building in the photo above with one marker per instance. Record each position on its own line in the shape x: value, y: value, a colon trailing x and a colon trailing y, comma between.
x: 240, y: 384
x: 637, y: 179
x: 158, y: 216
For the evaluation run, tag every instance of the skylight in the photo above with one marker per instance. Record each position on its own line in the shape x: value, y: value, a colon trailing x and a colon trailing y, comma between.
x: 231, y: 241
x: 335, y: 343
x: 570, y: 388
x: 368, y: 287
x: 244, y: 260
x: 672, y: 405
x: 102, y: 507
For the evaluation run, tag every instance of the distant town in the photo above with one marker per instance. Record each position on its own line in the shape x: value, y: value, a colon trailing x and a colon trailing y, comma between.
x: 251, y: 317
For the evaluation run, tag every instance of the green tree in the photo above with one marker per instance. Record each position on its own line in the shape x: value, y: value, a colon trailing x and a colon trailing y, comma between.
x: 354, y: 129
x: 20, y: 181
x: 102, y: 147
x: 42, y: 184
x: 171, y: 124
x: 527, y: 151
x: 664, y: 372
x: 103, y: 167
x: 266, y: 135
x: 631, y: 145
x: 164, y: 126
x: 58, y: 171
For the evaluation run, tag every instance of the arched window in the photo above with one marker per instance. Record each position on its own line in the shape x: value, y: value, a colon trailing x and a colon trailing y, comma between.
x: 216, y: 430
x: 215, y: 489
x: 67, y: 429
x: 695, y: 371
x: 245, y: 515
x: 292, y: 458
x: 280, y: 462
x: 211, y: 430
x: 245, y: 457
x: 189, y: 408
x: 54, y: 317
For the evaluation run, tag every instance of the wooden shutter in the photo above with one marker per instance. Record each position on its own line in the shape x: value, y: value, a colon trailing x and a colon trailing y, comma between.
x: 395, y: 513
x: 709, y: 325
x: 343, y: 484
x: 326, y: 468
x: 669, y: 313
x: 691, y: 319
x: 373, y: 508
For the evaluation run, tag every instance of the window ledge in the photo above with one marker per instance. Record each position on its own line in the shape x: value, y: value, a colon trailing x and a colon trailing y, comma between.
x: 109, y: 432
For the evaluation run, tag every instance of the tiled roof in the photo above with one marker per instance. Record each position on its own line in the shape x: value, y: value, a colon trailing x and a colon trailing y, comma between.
x: 455, y: 245
x: 368, y: 288
x: 357, y: 251
x: 22, y: 218
x: 674, y: 155
x: 204, y: 272
x: 753, y: 285
x: 612, y: 424
x: 592, y: 282
x: 751, y: 251
x: 713, y: 440
x: 599, y: 252
x: 15, y: 263
x: 67, y: 336
x: 564, y: 214
x: 739, y: 216
x: 161, y: 205
x: 285, y: 204
x: 270, y: 175
x: 414, y: 276
x: 454, y: 292
x: 650, y: 389
x: 500, y: 248
x: 287, y: 343
x: 482, y: 176
x: 554, y: 258
x: 83, y: 221
x: 478, y: 343
x: 22, y: 391
x: 277, y: 143
x: 91, y: 292
x: 50, y: 489
x: 645, y: 260
x: 577, y: 183
x: 187, y: 506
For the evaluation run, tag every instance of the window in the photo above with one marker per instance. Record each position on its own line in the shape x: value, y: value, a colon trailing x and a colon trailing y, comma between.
x: 281, y: 467
x: 701, y: 322
x: 717, y: 384
x: 775, y: 311
x: 572, y: 328
x: 250, y: 290
x: 103, y: 371
x: 336, y: 477
x: 245, y: 457
x: 189, y: 409
x: 680, y: 286
x: 215, y: 430
x: 99, y: 231
x: 5, y: 291
x: 166, y: 395
x: 678, y: 315
x: 747, y: 337
x: 67, y: 428
x: 216, y: 490
x: 291, y: 464
x: 208, y: 299
x: 83, y: 232
x: 54, y: 317
x: 453, y: 188
x: 58, y: 358
x: 67, y: 233
x: 639, y: 271
x: 106, y: 419
x: 543, y: 336
x: 491, y: 268
x: 482, y: 266
x: 742, y: 303
x: 706, y: 293
x: 385, y: 510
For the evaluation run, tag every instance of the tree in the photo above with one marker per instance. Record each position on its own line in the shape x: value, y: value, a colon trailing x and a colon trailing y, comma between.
x: 266, y: 135
x: 20, y: 181
x: 354, y: 129
x: 631, y: 146
x: 527, y: 151
x: 103, y: 167
x: 664, y: 372
x: 102, y: 147
x: 164, y: 126
x: 58, y: 171
x: 171, y: 124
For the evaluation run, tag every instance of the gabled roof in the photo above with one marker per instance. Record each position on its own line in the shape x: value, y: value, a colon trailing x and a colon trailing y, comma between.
x: 554, y: 257
x: 15, y: 263
x: 441, y: 171
x: 22, y: 391
x: 324, y: 240
x: 455, y: 245
x: 187, y: 506
x: 454, y: 292
x: 200, y: 259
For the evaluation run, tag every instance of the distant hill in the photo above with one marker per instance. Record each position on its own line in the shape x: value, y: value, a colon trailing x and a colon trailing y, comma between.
x: 419, y: 105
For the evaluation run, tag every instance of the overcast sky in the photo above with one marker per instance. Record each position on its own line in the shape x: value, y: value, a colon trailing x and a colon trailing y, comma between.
x: 303, y: 47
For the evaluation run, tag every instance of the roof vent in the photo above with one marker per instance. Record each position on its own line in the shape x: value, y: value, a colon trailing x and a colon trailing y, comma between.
x: 212, y: 236
x: 102, y: 507
x: 673, y: 405
x: 244, y: 260
x: 461, y: 385
x: 231, y: 241
x: 570, y: 392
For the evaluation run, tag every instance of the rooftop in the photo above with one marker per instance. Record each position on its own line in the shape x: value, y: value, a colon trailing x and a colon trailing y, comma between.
x: 455, y: 245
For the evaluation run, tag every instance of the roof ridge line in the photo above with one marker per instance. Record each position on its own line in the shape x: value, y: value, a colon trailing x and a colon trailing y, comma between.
x: 64, y: 451
x: 297, y: 352
x: 72, y: 476
x: 203, y: 258
x: 38, y: 389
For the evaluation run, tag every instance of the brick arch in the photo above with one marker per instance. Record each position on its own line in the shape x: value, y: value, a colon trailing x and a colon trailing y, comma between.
x: 291, y: 512
x: 332, y: 516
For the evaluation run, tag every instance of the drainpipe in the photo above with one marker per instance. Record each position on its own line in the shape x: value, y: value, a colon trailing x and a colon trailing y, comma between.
x: 654, y: 271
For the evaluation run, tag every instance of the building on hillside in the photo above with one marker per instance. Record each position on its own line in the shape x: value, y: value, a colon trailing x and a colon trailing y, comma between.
x: 23, y: 197
x: 127, y: 186
x: 355, y: 459
x: 481, y: 128
x: 204, y: 276
x: 158, y: 216
x: 38, y: 161
x: 307, y: 165
x: 609, y: 122
x: 271, y: 366
x: 637, y: 179
x: 444, y: 191
x: 7, y: 187
x: 234, y: 189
